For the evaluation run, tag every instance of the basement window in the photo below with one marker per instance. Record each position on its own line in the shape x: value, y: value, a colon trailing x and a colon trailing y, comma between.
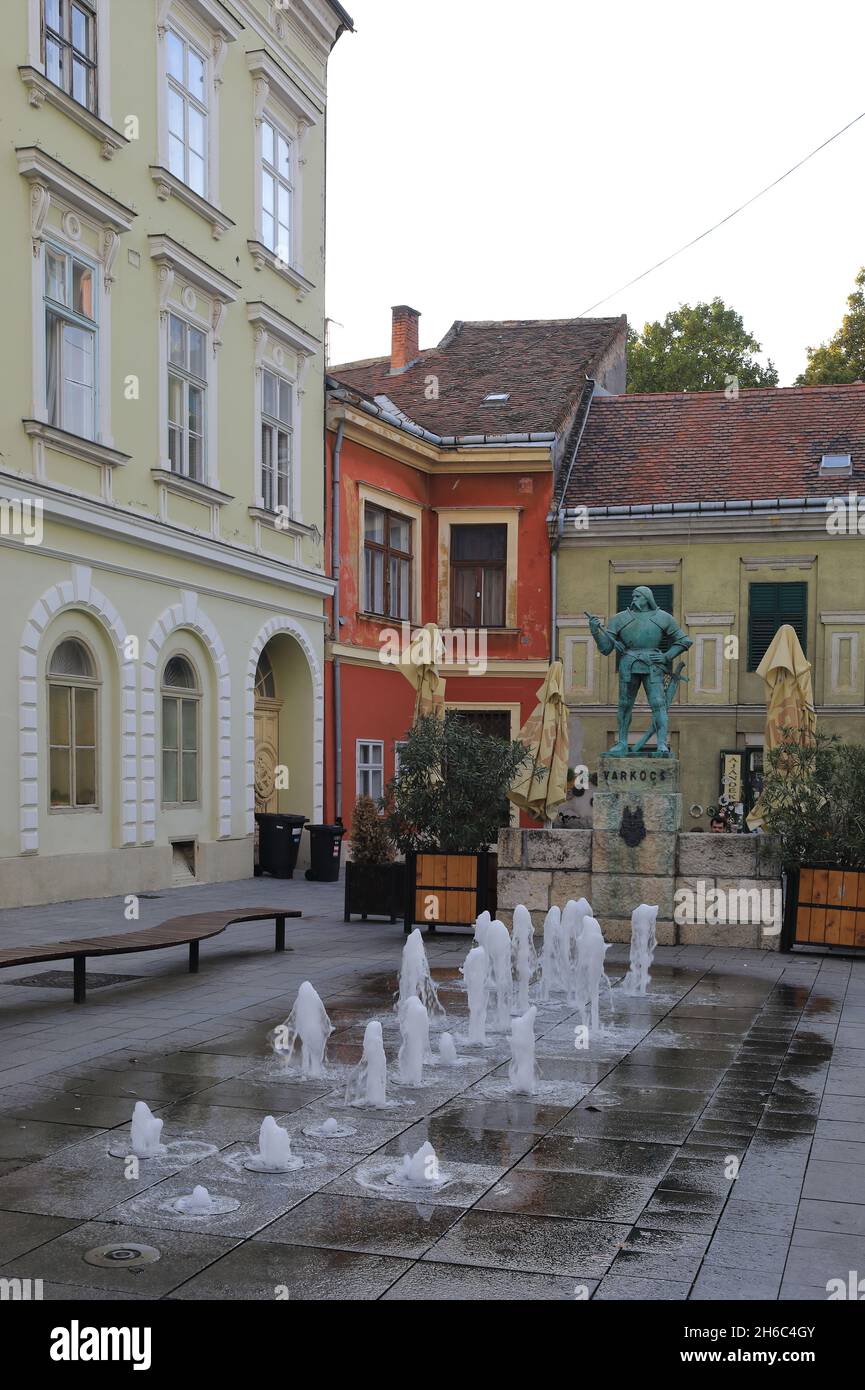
x: 836, y: 463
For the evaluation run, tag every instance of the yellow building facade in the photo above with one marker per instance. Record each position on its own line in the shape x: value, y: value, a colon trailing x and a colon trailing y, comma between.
x: 162, y: 557
x: 740, y: 514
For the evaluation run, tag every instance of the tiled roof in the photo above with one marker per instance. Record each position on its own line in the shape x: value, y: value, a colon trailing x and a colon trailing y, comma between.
x: 701, y: 447
x: 541, y: 363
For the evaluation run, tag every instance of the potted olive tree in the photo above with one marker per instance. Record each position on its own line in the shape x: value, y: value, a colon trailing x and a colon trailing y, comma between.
x: 374, y: 882
x: 813, y: 807
x: 445, y: 808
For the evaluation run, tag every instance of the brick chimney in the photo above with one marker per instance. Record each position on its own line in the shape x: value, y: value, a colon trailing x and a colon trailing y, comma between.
x: 404, y: 338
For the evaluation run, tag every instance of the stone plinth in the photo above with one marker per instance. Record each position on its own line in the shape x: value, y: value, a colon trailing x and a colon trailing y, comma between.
x: 637, y: 814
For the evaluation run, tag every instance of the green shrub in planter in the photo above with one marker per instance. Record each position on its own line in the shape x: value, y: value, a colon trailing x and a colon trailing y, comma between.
x: 813, y: 801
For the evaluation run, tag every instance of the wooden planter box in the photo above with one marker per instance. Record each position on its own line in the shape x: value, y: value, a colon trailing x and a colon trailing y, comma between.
x: 825, y: 908
x: 374, y: 890
x: 449, y: 890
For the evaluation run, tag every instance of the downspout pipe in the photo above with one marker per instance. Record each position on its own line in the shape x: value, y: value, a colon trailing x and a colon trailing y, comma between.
x: 335, y: 571
x: 558, y: 527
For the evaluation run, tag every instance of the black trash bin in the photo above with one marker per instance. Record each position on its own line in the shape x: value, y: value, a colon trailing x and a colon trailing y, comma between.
x: 278, y: 843
x: 325, y: 844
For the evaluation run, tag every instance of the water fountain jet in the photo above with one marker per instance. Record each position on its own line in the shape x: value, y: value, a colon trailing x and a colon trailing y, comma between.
x: 308, y: 1022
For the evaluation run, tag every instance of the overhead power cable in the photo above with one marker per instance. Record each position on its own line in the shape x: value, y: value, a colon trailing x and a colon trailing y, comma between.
x: 730, y: 215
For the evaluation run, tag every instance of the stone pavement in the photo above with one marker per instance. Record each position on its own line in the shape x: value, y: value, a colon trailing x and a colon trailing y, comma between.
x: 614, y: 1182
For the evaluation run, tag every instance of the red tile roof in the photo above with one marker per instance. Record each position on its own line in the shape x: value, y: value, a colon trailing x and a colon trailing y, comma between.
x: 701, y: 447
x: 541, y: 363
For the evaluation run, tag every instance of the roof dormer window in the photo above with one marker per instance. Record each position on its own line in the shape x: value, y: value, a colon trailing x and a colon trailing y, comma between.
x: 836, y: 464
x: 497, y: 398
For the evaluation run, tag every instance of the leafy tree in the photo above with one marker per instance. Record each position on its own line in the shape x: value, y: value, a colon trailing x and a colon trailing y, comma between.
x: 813, y: 801
x: 699, y: 347
x: 451, y: 783
x: 370, y: 838
x: 842, y: 359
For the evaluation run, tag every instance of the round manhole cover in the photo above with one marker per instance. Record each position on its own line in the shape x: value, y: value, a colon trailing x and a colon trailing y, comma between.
x: 132, y: 1256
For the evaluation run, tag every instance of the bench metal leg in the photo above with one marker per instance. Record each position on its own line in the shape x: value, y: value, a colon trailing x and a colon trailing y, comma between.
x: 79, y: 979
x: 193, y: 957
x: 279, y: 944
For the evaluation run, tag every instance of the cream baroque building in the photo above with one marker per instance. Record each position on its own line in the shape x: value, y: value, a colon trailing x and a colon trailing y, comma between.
x: 161, y: 465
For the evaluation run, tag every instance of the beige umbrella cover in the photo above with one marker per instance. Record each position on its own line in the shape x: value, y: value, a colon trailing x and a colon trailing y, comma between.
x: 789, y: 697
x: 541, y: 784
x: 419, y: 665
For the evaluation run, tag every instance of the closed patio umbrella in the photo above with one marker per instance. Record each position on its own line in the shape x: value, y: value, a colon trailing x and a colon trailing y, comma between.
x: 419, y: 665
x: 789, y: 697
x: 541, y: 784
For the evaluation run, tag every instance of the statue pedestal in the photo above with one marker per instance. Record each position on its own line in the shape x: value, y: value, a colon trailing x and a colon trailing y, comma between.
x: 637, y: 814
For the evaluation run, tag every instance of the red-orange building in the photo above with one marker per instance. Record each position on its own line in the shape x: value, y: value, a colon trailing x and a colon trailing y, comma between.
x: 440, y: 473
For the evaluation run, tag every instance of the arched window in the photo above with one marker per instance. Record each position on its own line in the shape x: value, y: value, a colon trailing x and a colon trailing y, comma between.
x: 265, y: 684
x: 73, y: 692
x: 181, y: 703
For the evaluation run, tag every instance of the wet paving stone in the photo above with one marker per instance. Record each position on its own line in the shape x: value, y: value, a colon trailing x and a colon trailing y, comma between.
x: 576, y: 1154
x: 694, y: 1213
x: 21, y: 1232
x: 634, y: 1290
x: 717, y: 1284
x: 496, y: 1148
x: 536, y: 1244
x: 654, y: 1101
x: 403, y: 1229
x: 626, y: 1124
x: 587, y: 1196
x: 835, y: 1182
x: 428, y: 1282
x: 464, y: 1185
x: 81, y: 1180
x: 93, y: 1112
x: 263, y: 1271
x: 738, y: 1250
x: 153, y: 1086
x: 26, y: 1141
x: 845, y: 1218
x: 62, y: 1260
x: 650, y: 1254
x: 195, y: 1064
x: 522, y: 1115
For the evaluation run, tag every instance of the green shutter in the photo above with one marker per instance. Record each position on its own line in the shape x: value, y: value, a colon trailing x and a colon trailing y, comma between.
x: 769, y: 607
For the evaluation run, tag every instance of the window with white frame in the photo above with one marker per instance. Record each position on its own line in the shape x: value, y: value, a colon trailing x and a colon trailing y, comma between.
x: 370, y: 769
x: 70, y: 342
x: 73, y: 693
x: 187, y: 111
x: 276, y: 442
x: 187, y: 393
x: 277, y: 190
x: 69, y: 48
x: 181, y: 700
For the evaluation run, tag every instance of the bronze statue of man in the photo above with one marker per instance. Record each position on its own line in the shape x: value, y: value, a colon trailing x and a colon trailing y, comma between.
x: 637, y: 634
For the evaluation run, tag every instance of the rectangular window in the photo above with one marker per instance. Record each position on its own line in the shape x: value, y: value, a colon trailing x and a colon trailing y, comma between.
x: 70, y: 343
x: 179, y: 751
x: 277, y: 190
x: 187, y: 112
x: 72, y: 746
x: 478, y: 572
x: 370, y: 769
x: 387, y: 557
x: 276, y: 441
x: 187, y: 392
x: 69, y: 48
x: 769, y: 607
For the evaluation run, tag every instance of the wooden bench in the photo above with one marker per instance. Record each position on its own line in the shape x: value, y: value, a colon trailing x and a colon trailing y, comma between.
x: 177, y: 931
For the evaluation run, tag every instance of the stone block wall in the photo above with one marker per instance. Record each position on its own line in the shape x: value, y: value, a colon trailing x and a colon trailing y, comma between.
x: 543, y: 867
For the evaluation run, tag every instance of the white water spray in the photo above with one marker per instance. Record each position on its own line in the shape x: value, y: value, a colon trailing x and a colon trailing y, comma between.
x: 414, y: 1027
x: 146, y: 1131
x: 522, y: 1072
x: 643, y: 942
x: 474, y: 972
x: 498, y: 949
x: 367, y: 1084
x: 524, y: 959
x: 415, y: 979
x: 309, y: 1023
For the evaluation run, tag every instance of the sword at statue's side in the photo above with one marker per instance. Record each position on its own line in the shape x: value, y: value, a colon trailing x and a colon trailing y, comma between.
x: 675, y: 681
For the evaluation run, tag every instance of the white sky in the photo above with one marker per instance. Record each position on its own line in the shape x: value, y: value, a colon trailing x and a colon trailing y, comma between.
x: 492, y: 159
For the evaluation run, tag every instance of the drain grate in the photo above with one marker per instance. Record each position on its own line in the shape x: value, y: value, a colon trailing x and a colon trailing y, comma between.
x: 132, y: 1256
x: 62, y: 979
